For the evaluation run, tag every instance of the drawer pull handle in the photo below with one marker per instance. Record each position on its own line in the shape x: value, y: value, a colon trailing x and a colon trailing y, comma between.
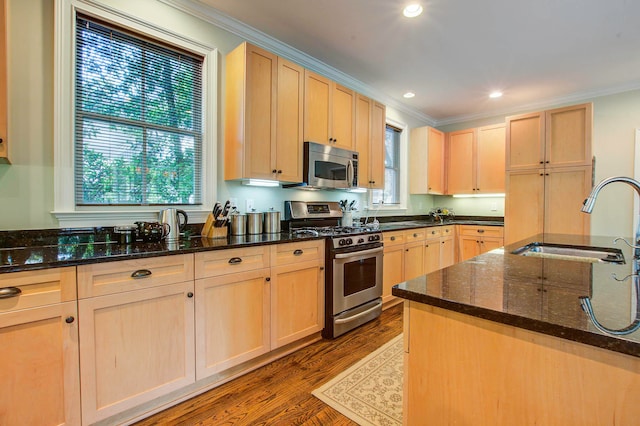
x: 392, y: 238
x: 69, y: 320
x: 235, y: 260
x: 141, y: 273
x: 298, y: 252
x: 8, y: 292
x: 480, y: 231
x: 415, y: 235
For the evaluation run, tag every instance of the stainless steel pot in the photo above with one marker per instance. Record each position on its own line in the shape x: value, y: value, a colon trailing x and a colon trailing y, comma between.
x: 272, y: 222
x: 238, y: 223
x: 254, y: 223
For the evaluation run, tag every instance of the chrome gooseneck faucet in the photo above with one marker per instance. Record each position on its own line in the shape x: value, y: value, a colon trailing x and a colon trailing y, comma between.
x: 585, y: 302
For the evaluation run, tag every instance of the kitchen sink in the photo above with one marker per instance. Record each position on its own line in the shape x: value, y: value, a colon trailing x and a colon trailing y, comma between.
x: 570, y: 252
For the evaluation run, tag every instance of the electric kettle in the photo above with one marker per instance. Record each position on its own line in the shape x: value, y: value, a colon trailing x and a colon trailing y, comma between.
x: 171, y: 217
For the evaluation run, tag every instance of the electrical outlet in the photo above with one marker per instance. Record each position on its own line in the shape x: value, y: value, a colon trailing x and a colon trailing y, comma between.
x: 494, y: 207
x: 249, y: 205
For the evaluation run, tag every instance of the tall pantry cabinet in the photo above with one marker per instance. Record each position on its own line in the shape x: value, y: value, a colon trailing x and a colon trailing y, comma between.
x: 4, y: 157
x: 548, y: 172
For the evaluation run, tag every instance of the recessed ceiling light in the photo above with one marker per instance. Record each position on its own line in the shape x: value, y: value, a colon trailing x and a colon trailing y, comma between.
x: 495, y: 94
x: 412, y: 10
x: 409, y: 95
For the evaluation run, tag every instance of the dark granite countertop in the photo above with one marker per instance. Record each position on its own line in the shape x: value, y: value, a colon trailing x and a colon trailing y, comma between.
x: 539, y: 294
x: 39, y: 249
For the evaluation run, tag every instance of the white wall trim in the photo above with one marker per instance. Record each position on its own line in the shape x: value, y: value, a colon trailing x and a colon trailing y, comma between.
x: 64, y: 43
x: 265, y: 41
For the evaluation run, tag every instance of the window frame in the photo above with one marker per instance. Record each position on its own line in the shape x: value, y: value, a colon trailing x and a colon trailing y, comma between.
x: 65, y: 209
x: 403, y: 169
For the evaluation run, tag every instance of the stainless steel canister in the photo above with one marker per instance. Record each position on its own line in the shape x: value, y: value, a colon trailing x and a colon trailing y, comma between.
x: 272, y: 222
x: 238, y: 224
x: 254, y: 223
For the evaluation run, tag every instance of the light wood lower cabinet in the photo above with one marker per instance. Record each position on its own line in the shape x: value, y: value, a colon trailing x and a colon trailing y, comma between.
x: 439, y: 248
x: 232, y: 320
x: 39, y: 372
x: 136, y: 346
x: 475, y: 240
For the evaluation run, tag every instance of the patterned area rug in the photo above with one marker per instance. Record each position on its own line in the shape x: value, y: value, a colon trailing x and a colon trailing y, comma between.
x: 369, y: 392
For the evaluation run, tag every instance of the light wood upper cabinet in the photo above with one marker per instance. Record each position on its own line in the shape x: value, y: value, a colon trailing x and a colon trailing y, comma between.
x: 329, y: 112
x: 556, y: 138
x: 39, y: 340
x: 4, y: 142
x: 476, y: 160
x: 427, y: 149
x: 370, y: 129
x: 263, y: 116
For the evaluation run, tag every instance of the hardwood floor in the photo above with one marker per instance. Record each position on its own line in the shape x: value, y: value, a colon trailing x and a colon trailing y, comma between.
x: 280, y: 392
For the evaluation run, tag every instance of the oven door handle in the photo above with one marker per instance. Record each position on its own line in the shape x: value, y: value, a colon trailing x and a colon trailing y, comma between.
x: 358, y: 253
x: 359, y: 315
x: 350, y: 173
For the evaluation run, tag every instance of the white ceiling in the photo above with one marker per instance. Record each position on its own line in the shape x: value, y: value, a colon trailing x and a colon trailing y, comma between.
x: 538, y: 52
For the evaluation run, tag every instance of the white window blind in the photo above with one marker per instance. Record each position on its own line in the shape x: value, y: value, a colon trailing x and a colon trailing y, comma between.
x: 138, y: 119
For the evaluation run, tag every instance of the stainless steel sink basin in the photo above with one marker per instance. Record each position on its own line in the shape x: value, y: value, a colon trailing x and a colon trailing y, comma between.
x: 569, y: 252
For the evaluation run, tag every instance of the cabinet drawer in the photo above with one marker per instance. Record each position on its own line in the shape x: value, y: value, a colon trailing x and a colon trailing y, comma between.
x: 283, y: 254
x: 222, y: 262
x: 415, y: 234
x: 115, y: 277
x: 486, y: 231
x: 433, y: 232
x: 38, y: 288
x: 393, y: 238
x: 447, y: 231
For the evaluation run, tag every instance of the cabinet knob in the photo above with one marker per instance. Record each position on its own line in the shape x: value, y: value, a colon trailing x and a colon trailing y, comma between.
x: 70, y: 319
x: 322, y: 268
x: 267, y: 279
x: 392, y: 238
x: 415, y: 235
x: 279, y: 172
x: 480, y: 231
x: 190, y: 295
x: 1, y: 140
x: 274, y: 171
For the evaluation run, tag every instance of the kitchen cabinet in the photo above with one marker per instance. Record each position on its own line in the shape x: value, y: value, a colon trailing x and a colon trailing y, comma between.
x: 392, y: 263
x: 546, y: 200
x: 370, y: 130
x: 555, y: 138
x: 232, y: 308
x: 414, y: 253
x: 475, y: 240
x: 297, y: 291
x: 39, y: 341
x: 137, y: 340
x: 427, y: 147
x: 439, y: 248
x: 263, y: 116
x: 476, y: 160
x: 549, y: 158
x: 4, y: 137
x: 329, y: 112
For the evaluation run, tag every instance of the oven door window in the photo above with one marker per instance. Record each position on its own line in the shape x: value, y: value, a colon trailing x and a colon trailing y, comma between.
x: 330, y: 171
x: 359, y: 275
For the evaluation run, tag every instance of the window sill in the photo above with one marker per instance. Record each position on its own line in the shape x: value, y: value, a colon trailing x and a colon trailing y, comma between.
x: 88, y: 219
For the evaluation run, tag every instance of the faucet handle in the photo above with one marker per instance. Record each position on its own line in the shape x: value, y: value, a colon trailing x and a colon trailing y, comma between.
x: 626, y: 242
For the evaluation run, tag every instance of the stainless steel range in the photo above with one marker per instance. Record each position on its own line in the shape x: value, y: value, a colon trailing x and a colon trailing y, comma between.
x: 353, y: 277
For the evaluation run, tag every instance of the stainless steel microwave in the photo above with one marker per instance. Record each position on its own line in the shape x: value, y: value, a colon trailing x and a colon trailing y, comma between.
x: 328, y: 167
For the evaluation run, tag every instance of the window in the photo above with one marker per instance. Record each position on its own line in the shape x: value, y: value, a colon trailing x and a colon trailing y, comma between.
x: 391, y: 193
x: 138, y: 131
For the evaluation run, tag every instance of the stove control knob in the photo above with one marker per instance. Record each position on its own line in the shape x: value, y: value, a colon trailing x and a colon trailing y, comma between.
x: 349, y: 241
x: 360, y: 240
x: 342, y: 241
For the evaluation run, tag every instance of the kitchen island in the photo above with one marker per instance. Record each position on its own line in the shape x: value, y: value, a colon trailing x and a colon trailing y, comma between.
x: 502, y: 339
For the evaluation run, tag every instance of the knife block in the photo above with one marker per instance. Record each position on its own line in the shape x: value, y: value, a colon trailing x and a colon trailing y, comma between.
x: 210, y: 231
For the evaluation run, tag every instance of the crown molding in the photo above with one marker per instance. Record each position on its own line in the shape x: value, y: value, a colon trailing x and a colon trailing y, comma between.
x: 267, y: 42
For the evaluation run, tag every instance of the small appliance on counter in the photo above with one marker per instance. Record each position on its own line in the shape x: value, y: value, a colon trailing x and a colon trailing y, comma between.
x: 171, y: 217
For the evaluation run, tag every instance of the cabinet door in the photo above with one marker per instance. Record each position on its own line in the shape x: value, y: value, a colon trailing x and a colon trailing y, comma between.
x: 566, y: 189
x: 40, y: 370
x: 525, y: 141
x: 432, y: 255
x: 568, y: 136
x: 413, y: 260
x: 490, y: 159
x: 297, y: 301
x: 462, y: 167
x: 317, y: 108
x: 469, y: 247
x: 524, y: 205
x: 363, y: 129
x: 232, y: 320
x: 435, y: 162
x: 447, y: 251
x: 289, y: 120
x: 392, y: 270
x: 378, y: 130
x: 136, y: 346
x: 488, y: 244
x: 343, y: 117
x: 4, y: 155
